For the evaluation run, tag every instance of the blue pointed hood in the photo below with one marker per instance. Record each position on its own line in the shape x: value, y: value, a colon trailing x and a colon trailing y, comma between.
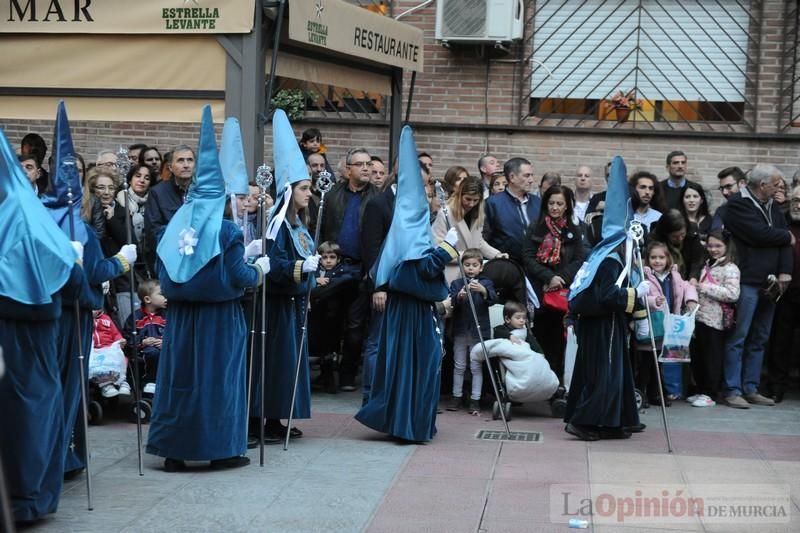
x: 191, y: 238
x: 409, y: 236
x: 290, y: 167
x: 64, y: 178
x: 231, y: 159
x: 36, y: 257
x: 616, y: 218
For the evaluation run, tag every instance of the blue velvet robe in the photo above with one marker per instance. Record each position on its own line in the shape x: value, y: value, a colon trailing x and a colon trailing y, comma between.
x: 32, y: 413
x: 602, y: 390
x: 286, y: 288
x: 97, y: 269
x: 405, y: 389
x: 199, y: 407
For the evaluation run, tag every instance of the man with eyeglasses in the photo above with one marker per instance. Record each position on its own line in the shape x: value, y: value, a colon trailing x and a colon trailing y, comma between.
x: 341, y: 223
x: 730, y: 180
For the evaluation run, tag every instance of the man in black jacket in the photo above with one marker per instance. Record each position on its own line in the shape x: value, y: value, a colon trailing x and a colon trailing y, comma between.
x: 341, y: 223
x: 673, y: 187
x: 764, y: 252
x: 168, y: 196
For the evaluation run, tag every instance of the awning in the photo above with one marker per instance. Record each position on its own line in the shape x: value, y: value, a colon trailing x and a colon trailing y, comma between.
x: 111, y: 109
x: 327, y: 73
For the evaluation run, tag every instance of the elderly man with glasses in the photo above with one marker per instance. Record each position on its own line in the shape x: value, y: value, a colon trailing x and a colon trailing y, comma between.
x: 341, y: 223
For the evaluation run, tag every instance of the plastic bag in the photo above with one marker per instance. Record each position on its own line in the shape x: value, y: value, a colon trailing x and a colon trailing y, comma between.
x: 107, y: 364
x: 678, y: 330
x: 569, y: 356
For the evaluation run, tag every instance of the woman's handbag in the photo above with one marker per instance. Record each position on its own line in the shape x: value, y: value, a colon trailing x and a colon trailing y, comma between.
x: 556, y: 300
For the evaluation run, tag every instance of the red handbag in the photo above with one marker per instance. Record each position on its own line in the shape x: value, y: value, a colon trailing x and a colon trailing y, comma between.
x: 556, y: 300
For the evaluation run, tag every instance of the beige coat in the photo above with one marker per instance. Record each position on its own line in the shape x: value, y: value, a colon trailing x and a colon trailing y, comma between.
x: 467, y: 238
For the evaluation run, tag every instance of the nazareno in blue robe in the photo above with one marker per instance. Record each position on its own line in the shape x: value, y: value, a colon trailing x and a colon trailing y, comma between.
x: 602, y: 390
x: 97, y: 269
x: 199, y: 410
x: 286, y: 287
x: 405, y: 389
x: 32, y: 412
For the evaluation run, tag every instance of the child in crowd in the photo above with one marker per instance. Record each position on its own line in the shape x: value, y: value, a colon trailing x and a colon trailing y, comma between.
x: 668, y: 293
x: 465, y: 335
x: 311, y: 143
x: 337, y: 284
x: 150, y: 324
x: 515, y: 326
x: 497, y: 183
x: 718, y: 290
x: 107, y: 364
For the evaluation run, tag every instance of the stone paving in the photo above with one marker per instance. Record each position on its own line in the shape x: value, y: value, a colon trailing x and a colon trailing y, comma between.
x: 344, y: 477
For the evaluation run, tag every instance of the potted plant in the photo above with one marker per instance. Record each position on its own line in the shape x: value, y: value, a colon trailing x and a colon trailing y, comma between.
x: 623, y: 103
x: 293, y: 101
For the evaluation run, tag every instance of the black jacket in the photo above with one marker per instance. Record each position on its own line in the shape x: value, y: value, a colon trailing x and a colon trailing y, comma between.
x: 762, y: 238
x: 375, y: 222
x: 335, y: 206
x: 573, y: 253
x: 163, y: 200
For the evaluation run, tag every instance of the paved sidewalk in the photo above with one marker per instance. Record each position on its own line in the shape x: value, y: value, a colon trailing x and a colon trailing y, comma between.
x: 344, y: 477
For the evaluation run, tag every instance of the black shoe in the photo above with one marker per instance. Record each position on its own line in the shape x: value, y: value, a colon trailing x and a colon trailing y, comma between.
x: 657, y: 401
x: 347, y: 383
x: 231, y: 462
x: 581, y: 432
x: 252, y: 442
x: 777, y: 396
x: 614, y: 433
x: 174, y: 465
x: 72, y: 474
x: 276, y: 428
x: 638, y: 428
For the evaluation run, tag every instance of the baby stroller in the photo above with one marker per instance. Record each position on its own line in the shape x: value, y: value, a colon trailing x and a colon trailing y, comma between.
x: 511, y: 285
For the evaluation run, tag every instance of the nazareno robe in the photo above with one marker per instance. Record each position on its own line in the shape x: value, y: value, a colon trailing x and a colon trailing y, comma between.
x: 602, y: 390
x: 199, y: 409
x: 32, y: 412
x: 405, y: 388
x: 97, y: 269
x: 286, y: 287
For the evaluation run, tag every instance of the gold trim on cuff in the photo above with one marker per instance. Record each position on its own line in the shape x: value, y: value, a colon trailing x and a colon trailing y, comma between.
x: 125, y: 265
x: 631, y: 300
x: 298, y: 272
x: 452, y: 252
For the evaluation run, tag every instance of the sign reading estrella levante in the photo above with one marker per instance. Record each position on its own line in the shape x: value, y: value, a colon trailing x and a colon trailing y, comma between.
x: 343, y: 27
x: 140, y: 17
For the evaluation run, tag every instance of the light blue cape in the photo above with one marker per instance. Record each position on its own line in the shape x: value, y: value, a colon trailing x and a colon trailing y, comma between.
x: 409, y: 236
x: 36, y: 257
x: 191, y: 238
x: 62, y: 179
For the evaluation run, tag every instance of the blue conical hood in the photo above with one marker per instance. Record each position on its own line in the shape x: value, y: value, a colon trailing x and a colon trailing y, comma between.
x: 231, y: 158
x: 616, y: 217
x: 290, y: 167
x: 409, y: 236
x: 191, y: 238
x: 64, y: 179
x: 35, y: 255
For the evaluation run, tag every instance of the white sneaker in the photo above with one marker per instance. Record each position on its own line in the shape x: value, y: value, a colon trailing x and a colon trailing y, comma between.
x: 693, y: 397
x: 109, y: 391
x: 149, y: 388
x: 703, y: 401
x: 125, y: 389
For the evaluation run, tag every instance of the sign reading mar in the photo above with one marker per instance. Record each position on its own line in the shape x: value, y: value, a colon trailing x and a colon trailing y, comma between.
x: 49, y: 11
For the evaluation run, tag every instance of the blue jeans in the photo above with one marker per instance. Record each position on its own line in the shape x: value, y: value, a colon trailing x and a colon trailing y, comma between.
x: 371, y: 351
x: 673, y: 378
x: 744, y: 349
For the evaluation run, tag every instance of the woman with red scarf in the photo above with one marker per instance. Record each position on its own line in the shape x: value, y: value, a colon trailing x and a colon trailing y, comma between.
x: 553, y: 251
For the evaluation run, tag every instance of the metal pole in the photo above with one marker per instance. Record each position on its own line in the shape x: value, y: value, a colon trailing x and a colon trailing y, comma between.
x: 6, y: 515
x: 123, y: 165
x: 637, y: 234
x: 251, y: 349
x: 276, y: 41
x: 324, y: 184
x: 443, y: 206
x: 70, y: 168
x: 411, y: 94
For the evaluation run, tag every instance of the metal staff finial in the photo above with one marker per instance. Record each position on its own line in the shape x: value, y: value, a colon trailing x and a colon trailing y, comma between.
x: 325, y: 181
x: 123, y: 163
x: 264, y: 177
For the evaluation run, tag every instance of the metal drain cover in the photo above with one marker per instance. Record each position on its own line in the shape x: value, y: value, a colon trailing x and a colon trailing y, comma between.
x: 517, y: 436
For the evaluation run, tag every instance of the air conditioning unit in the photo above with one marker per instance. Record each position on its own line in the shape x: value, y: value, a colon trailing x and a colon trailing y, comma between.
x: 479, y: 21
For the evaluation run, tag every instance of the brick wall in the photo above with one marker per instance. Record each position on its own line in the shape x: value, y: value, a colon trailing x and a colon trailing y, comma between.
x: 452, y: 91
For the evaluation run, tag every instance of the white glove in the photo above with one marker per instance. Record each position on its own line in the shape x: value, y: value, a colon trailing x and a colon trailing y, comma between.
x: 642, y: 329
x: 452, y: 237
x: 643, y: 289
x: 263, y: 264
x: 311, y: 264
x: 106, y: 287
x: 78, y: 247
x: 253, y: 249
x: 128, y: 251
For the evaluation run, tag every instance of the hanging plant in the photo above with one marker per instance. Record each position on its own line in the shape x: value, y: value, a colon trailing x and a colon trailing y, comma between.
x: 292, y: 101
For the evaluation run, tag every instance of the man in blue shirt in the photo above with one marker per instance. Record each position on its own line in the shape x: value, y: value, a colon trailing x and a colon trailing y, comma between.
x: 509, y: 213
